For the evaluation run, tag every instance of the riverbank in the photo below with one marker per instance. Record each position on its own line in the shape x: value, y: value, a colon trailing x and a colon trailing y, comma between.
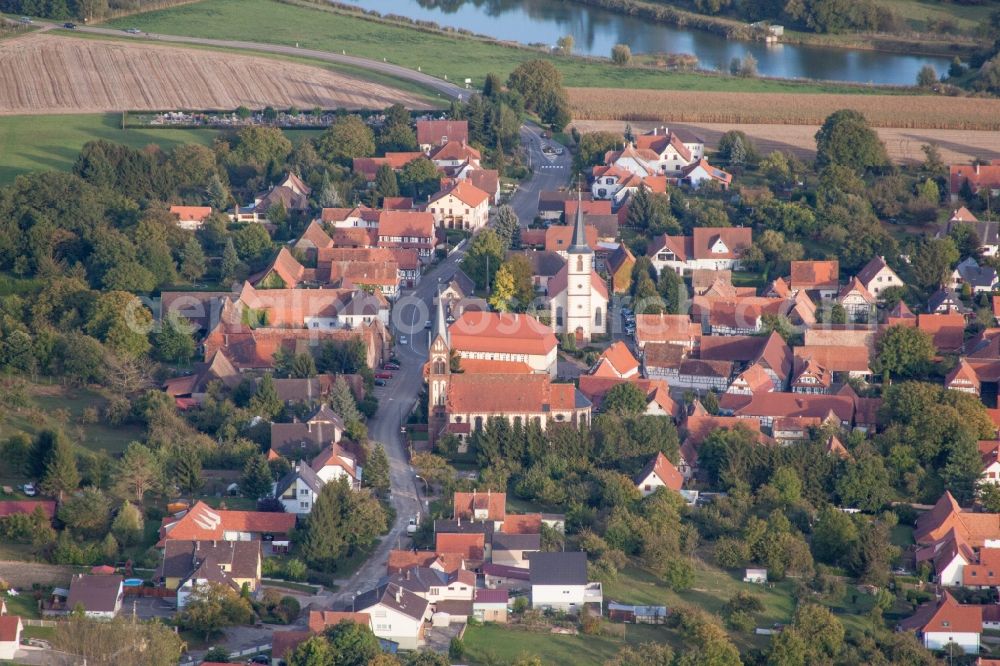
x: 925, y: 44
x: 446, y: 54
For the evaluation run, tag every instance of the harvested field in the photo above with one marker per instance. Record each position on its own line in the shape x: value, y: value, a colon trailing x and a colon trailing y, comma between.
x: 916, y: 111
x: 903, y: 144
x: 42, y: 73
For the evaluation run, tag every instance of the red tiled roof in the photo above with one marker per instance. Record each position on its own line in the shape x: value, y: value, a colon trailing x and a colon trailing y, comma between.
x: 401, y: 560
x: 191, y: 213
x: 284, y: 642
x: 815, y: 274
x: 664, y: 471
x: 9, y: 625
x: 594, y: 207
x: 983, y: 175
x: 666, y: 328
x: 466, y: 504
x: 947, y: 616
x: 946, y: 330
x: 455, y: 151
x: 320, y: 620
x: 986, y: 571
x: 620, y: 358
x: 507, y: 394
x: 484, y: 596
x: 465, y: 192
x: 397, y: 203
x: 315, y: 235
x: 405, y: 223
x: 476, y: 331
x: 974, y: 528
x: 559, y: 237
x: 432, y: 132
x: 963, y: 214
x: 10, y: 507
x: 525, y: 523
x: 487, y: 180
x: 204, y: 523
x: 595, y: 388
x: 470, y: 546
x: 836, y: 358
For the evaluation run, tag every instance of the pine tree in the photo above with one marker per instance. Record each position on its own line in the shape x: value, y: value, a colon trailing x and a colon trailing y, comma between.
x: 376, y: 472
x: 173, y: 342
x: 303, y: 366
x: 342, y: 401
x: 230, y: 262
x: 218, y: 195
x: 109, y: 548
x: 139, y: 472
x: 329, y: 197
x: 265, y: 401
x: 192, y: 260
x: 187, y: 472
x: 386, y: 184
x: 256, y: 481
x: 61, y: 472
x: 323, y: 541
x: 507, y: 225
x: 127, y: 525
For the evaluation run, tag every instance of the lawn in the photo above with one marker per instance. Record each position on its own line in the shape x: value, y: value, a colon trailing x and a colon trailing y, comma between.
x: 23, y: 604
x: 34, y: 143
x: 497, y: 644
x: 918, y: 12
x: 454, y: 56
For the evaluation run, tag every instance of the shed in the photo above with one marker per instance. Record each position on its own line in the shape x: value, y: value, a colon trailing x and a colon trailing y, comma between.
x: 637, y: 614
x: 758, y: 576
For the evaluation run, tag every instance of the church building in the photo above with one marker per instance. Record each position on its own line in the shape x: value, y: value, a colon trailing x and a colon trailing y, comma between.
x: 578, y: 296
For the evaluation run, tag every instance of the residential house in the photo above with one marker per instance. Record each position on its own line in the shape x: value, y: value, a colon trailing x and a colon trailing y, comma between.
x: 544, y: 266
x: 947, y: 331
x: 202, y: 523
x: 189, y: 564
x: 298, y: 489
x: 820, y: 277
x: 350, y: 218
x: 948, y: 558
x: 981, y: 279
x: 191, y: 217
x: 100, y: 596
x: 403, y: 229
x: 766, y: 407
x: 397, y: 615
x: 456, y: 159
x: 620, y: 265
x: 772, y: 353
x: 190, y: 390
x: 490, y: 605
x: 659, y: 473
x: 701, y: 172
x: 321, y: 429
x: 836, y: 363
x: 434, y: 133
x: 559, y: 582
x: 616, y: 361
x: 11, y: 627
x: 792, y: 429
x: 676, y: 330
x: 945, y: 301
x: 670, y: 363
x: 464, y: 206
x: 964, y: 378
x: 312, y: 239
x: 471, y: 546
x: 989, y: 450
x: 810, y: 376
x: 662, y: 151
x: 984, y: 573
x: 368, y: 269
x: 876, y: 277
x: 987, y: 231
x: 368, y: 166
x: 513, y: 550
x: 656, y: 391
x: 849, y: 335
x: 706, y: 247
x: 335, y: 462
x: 291, y: 193
x: 697, y: 428
x: 979, y: 530
x: 857, y: 301
x: 945, y: 621
x: 487, y: 180
x: 480, y: 507
x: 401, y: 560
x: 434, y: 585
x: 975, y: 177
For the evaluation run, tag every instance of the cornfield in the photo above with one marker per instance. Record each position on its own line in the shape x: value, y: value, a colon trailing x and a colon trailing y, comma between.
x: 902, y: 111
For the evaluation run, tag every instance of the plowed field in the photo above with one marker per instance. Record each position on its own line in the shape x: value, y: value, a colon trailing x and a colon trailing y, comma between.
x: 42, y: 73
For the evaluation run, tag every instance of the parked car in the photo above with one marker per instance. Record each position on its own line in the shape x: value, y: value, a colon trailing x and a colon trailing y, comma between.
x: 133, y: 31
x: 259, y: 659
x: 403, y: 340
x: 69, y: 26
x: 25, y: 20
x: 29, y: 489
x: 379, y: 382
x: 383, y: 375
x: 412, y: 525
x: 428, y: 324
x: 391, y: 365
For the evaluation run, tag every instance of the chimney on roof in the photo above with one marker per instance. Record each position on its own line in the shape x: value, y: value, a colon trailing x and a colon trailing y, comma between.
x: 399, y: 595
x: 977, y: 168
x: 654, y: 130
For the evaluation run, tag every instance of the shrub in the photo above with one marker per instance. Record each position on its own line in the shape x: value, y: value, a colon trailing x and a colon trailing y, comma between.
x: 621, y: 54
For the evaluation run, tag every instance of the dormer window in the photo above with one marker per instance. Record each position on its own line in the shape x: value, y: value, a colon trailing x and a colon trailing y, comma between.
x: 945, y: 623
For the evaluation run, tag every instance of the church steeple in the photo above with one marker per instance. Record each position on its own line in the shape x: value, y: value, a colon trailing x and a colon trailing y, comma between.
x: 579, y: 245
x: 440, y: 323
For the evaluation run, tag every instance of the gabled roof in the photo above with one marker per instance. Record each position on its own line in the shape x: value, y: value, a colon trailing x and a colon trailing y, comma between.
x: 393, y: 223
x: 500, y: 394
x: 559, y: 237
x: 466, y: 505
x: 191, y: 213
x: 756, y: 379
x: 204, y: 523
x: 9, y: 628
x: 301, y: 471
x: 395, y: 597
x: 815, y: 274
x: 455, y: 151
x: 477, y: 331
x: 182, y: 557
x: 856, y: 286
x: 666, y: 328
x: 433, y: 132
x: 522, y: 523
x: 664, y: 471
x: 835, y: 447
x: 963, y: 375
x: 836, y: 358
x: 315, y: 235
x: 963, y: 214
x: 978, y: 175
x: 715, y: 173
x: 471, y: 546
x: 401, y: 560
x: 621, y: 257
x: 974, y: 528
x: 736, y: 239
x: 321, y: 619
x: 946, y: 330
x: 96, y: 593
x: 595, y: 388
x: 620, y: 359
x: 487, y: 180
x: 947, y: 616
x: 516, y: 541
x: 875, y: 266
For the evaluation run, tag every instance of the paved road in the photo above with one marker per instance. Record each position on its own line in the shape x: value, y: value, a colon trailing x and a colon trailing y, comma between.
x: 442, y: 87
x: 550, y: 173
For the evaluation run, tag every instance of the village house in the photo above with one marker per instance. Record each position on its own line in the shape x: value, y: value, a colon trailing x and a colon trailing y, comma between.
x: 559, y: 582
x: 298, y: 489
x: 857, y: 301
x: 943, y: 622
x: 696, y: 428
x: 660, y: 151
x: 656, y: 393
x: 397, y: 615
x: 981, y: 279
x: 490, y: 605
x: 772, y: 353
x: 513, y: 550
x: 435, y: 133
x: 401, y: 560
x: 401, y: 229
x: 11, y: 627
x: 979, y: 530
x: 349, y: 218
x: 291, y: 193
x: 706, y: 247
x: 876, y: 277
x: 464, y: 206
x: 987, y: 231
x: 202, y: 523
x: 620, y: 264
x: 456, y: 159
x: 658, y: 473
x: 320, y: 429
x: 975, y: 177
x: 436, y: 586
x: 675, y: 330
x: 100, y: 595
x: 191, y: 217
x: 367, y: 167
x: 990, y: 452
x: 819, y: 277
x: 190, y: 563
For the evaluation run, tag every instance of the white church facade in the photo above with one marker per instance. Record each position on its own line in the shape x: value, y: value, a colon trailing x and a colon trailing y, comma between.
x: 577, y: 295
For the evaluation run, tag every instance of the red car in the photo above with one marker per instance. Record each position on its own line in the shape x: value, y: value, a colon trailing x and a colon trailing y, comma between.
x: 391, y: 366
x: 383, y: 375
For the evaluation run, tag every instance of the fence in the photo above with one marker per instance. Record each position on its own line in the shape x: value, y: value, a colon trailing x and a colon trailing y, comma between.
x: 38, y: 623
x: 143, y: 591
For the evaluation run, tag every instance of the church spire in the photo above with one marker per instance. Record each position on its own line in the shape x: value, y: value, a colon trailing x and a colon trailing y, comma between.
x: 440, y: 323
x: 579, y: 245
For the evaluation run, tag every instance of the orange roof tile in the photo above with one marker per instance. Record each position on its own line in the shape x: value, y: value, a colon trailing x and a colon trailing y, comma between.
x: 395, y: 223
x: 675, y: 329
x: 320, y: 620
x: 477, y: 331
x: 815, y: 274
x: 487, y: 367
x: 664, y: 471
x: 401, y: 560
x: 975, y: 528
x: 946, y: 330
x: 469, y: 546
x: 507, y: 394
x: 191, y: 213
x: 465, y: 192
x: 204, y: 523
x: 466, y: 504
x: 559, y: 237
x: 836, y: 358
x: 433, y: 132
x: 526, y: 523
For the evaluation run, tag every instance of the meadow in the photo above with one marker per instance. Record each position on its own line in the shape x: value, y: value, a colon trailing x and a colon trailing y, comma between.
x: 443, y: 54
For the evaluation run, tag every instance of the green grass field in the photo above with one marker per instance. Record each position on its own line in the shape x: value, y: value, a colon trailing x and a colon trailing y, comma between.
x: 918, y: 12
x: 439, y: 54
x: 36, y: 143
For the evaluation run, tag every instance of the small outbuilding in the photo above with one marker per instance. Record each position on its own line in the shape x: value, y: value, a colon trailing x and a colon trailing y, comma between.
x: 758, y: 576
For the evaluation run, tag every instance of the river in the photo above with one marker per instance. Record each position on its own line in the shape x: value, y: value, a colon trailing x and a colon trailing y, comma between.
x: 595, y: 31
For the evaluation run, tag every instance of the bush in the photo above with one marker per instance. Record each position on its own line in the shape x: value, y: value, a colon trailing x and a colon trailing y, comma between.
x: 296, y: 570
x: 456, y: 649
x: 621, y: 54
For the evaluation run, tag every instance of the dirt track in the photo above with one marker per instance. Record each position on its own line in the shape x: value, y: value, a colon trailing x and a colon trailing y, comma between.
x: 42, y: 73
x: 903, y: 144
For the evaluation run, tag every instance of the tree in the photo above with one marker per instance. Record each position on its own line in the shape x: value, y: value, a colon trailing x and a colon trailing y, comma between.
x: 265, y: 401
x: 341, y: 520
x: 61, y: 473
x: 932, y: 262
x: 502, y: 291
x: 122, y: 322
x: 104, y: 642
x: 592, y: 146
x: 186, y: 472
x: 192, y: 260
x: 377, y: 471
x: 926, y: 77
x: 314, y: 651
x: 846, y: 139
x: 212, y: 607
x: 524, y: 288
x: 303, y: 366
x: 257, y: 481
x: 625, y: 399
x: 386, y: 184
x: 328, y: 197
x: 621, y: 54
x: 342, y: 401
x: 348, y: 137
x: 138, y: 472
x: 173, y: 341
x: 535, y: 80
x: 230, y: 262
x: 506, y: 224
x: 484, y: 258
x: 353, y: 644
x: 87, y: 512
x: 419, y: 178
x: 865, y: 484
x: 644, y: 654
x: 127, y: 525
x: 737, y: 148
x: 834, y: 536
x: 903, y: 351
x: 565, y: 44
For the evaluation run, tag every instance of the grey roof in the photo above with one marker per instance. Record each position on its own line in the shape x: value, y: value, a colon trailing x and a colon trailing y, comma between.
x: 418, y: 579
x: 976, y: 275
x: 944, y: 296
x: 554, y: 200
x: 464, y: 527
x: 440, y: 323
x: 558, y: 568
x: 454, y: 607
x: 579, y: 244
x: 182, y: 557
x: 544, y: 263
x: 323, y: 414
x: 463, y: 283
x: 97, y: 593
x: 502, y: 541
x: 395, y: 597
x: 580, y: 401
x: 302, y: 471
x: 606, y: 225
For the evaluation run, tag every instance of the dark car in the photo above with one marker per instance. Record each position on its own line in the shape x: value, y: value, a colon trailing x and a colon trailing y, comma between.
x: 379, y: 382
x: 69, y: 26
